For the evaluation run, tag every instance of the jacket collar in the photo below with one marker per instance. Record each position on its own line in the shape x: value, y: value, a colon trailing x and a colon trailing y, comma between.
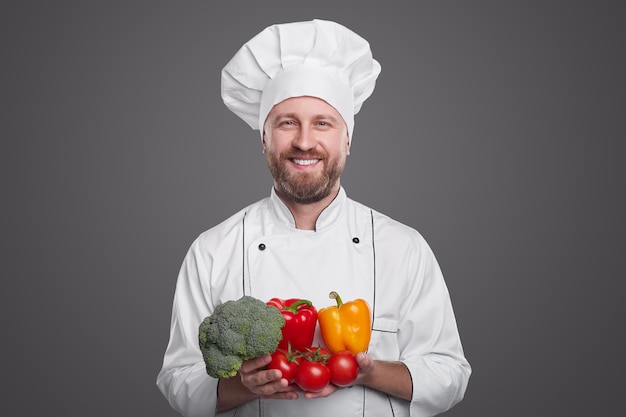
x: 327, y: 217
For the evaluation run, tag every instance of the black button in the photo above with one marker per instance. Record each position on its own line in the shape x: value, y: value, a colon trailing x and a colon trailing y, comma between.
x: 261, y: 246
x: 355, y: 240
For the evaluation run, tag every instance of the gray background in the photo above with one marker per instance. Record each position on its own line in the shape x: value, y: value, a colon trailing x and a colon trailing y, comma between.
x: 495, y: 130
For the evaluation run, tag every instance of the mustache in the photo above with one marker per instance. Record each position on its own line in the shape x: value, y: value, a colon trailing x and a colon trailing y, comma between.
x: 302, y: 155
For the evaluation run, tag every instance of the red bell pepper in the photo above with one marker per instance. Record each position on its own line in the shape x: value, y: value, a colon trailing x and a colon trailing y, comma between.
x: 300, y: 321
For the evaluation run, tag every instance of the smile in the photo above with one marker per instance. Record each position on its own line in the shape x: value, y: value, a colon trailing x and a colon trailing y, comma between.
x: 305, y: 162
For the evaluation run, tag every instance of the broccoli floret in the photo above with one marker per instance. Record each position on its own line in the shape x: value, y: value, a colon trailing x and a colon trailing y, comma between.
x: 238, y: 330
x: 219, y: 365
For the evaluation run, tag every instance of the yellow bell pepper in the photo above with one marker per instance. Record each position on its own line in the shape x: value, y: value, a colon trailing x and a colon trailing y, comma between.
x: 347, y: 326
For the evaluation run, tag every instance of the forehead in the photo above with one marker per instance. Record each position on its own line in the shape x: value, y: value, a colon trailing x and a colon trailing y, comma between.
x: 304, y: 106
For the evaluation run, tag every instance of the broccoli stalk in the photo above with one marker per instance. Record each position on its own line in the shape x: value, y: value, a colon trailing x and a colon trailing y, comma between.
x: 236, y: 331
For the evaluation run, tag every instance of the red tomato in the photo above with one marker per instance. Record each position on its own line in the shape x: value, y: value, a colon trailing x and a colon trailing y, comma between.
x: 312, y: 376
x: 343, y: 368
x: 285, y: 363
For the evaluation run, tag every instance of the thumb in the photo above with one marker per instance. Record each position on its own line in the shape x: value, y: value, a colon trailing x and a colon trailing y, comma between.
x: 364, y: 361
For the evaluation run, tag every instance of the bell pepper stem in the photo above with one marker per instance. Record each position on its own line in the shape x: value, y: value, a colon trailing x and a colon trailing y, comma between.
x: 333, y: 295
x: 294, y: 307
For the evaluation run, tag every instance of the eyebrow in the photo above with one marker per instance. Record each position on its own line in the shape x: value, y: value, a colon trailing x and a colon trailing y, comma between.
x: 319, y: 116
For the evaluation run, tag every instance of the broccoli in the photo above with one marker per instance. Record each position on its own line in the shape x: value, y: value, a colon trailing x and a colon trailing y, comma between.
x: 238, y: 330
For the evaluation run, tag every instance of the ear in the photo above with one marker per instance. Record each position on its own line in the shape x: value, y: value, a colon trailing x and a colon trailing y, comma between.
x: 263, y: 142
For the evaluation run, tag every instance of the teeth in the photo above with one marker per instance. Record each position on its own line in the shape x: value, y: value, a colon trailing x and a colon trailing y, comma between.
x: 305, y: 162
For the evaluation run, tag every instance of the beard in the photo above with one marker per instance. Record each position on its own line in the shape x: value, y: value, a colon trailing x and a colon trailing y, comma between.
x: 305, y: 187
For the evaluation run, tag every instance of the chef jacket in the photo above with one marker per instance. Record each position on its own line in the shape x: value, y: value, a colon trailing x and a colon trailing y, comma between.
x: 355, y: 251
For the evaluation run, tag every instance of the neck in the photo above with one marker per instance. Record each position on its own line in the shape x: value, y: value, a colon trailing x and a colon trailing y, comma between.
x: 305, y: 215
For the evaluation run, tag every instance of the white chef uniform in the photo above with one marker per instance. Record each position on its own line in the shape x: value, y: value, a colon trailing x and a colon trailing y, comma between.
x: 355, y: 251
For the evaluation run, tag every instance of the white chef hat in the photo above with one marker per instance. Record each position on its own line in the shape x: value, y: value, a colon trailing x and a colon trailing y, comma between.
x: 317, y: 58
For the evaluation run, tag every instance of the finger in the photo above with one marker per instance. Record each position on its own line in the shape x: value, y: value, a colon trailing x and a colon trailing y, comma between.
x: 251, y: 365
x: 269, y: 389
x: 364, y: 361
x: 325, y: 392
x: 259, y: 378
x: 285, y: 391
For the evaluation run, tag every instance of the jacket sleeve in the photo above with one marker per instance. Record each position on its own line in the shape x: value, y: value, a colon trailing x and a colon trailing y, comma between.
x: 183, y: 379
x: 428, y: 338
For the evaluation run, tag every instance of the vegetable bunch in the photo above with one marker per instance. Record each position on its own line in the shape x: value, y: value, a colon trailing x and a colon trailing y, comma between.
x: 313, y: 369
x: 345, y: 329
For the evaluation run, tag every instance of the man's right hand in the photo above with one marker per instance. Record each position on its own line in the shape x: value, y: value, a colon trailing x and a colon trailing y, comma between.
x: 266, y: 383
x: 253, y: 381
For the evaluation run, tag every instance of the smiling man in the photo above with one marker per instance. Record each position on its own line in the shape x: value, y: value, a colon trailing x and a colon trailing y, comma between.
x: 300, y: 84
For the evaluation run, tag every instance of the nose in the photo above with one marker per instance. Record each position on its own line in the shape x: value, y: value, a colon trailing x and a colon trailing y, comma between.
x: 304, y: 139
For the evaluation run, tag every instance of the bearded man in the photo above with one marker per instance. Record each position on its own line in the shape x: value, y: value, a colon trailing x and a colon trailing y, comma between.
x: 300, y: 84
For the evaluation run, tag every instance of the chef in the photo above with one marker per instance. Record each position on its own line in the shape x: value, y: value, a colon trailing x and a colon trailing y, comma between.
x: 300, y: 84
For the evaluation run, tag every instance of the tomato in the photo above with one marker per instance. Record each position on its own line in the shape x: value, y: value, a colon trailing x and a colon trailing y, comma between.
x: 286, y: 363
x: 312, y: 376
x: 343, y: 368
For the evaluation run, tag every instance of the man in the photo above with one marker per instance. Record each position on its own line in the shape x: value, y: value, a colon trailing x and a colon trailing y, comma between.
x: 301, y: 84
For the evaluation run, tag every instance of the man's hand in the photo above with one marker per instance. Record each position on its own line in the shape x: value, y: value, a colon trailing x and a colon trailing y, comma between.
x: 265, y: 383
x: 390, y: 377
x: 252, y: 381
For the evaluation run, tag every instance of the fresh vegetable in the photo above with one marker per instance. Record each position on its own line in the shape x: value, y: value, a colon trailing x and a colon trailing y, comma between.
x: 346, y: 326
x: 313, y: 374
x: 286, y: 362
x: 315, y: 367
x: 343, y: 368
x: 238, y: 330
x: 300, y: 321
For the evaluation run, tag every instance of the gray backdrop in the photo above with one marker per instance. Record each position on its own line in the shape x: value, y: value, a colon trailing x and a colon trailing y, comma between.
x: 495, y: 130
